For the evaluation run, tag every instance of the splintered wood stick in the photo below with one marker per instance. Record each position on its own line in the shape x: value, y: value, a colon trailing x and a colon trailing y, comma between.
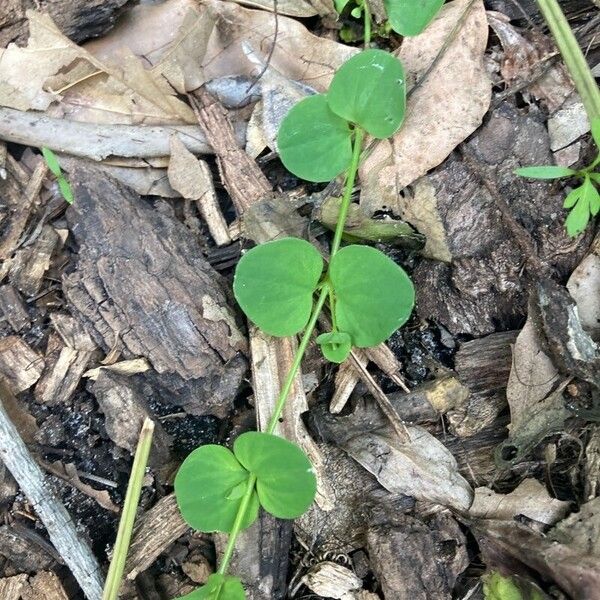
x: 61, y: 529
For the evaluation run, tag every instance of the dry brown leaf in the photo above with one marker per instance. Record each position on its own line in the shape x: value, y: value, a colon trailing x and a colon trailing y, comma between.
x: 68, y: 473
x: 423, y: 468
x: 184, y: 171
x: 299, y: 55
x: 446, y: 108
x: 530, y: 499
x: 291, y: 8
x: 532, y: 377
x: 88, y: 89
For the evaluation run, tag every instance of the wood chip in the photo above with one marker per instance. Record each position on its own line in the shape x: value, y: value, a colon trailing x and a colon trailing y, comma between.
x: 13, y: 308
x: 11, y: 587
x: 44, y: 585
x: 31, y: 263
x: 19, y: 363
x: 156, y: 531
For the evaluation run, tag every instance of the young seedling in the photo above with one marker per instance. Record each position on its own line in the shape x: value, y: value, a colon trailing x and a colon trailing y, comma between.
x: 63, y: 185
x: 405, y: 17
x: 584, y: 200
x: 282, y: 287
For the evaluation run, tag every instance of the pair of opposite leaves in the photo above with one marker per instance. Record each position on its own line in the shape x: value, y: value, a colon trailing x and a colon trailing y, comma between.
x: 406, y: 17
x: 212, y: 481
x: 372, y: 296
x: 368, y: 91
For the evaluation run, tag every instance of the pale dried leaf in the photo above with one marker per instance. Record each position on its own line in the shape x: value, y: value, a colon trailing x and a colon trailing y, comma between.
x: 532, y: 377
x: 530, y: 499
x: 423, y: 467
x: 443, y: 111
x: 88, y: 89
x: 185, y: 174
x: 125, y: 367
x: 330, y: 580
x: 584, y: 287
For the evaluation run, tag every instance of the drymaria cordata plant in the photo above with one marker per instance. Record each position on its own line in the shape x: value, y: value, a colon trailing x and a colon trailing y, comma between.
x: 282, y: 287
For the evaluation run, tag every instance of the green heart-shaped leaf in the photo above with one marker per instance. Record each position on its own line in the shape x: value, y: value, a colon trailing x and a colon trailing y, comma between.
x: 218, y: 587
x: 370, y: 90
x: 411, y: 17
x: 374, y: 296
x: 286, y: 483
x: 274, y: 284
x: 545, y: 172
x: 335, y: 346
x: 207, y: 489
x: 313, y: 142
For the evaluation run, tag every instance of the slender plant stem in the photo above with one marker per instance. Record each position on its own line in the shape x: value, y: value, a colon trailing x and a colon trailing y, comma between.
x: 573, y: 57
x: 289, y: 379
x: 237, y: 525
x: 308, y: 331
x: 132, y: 498
x: 347, y: 196
x: 367, y: 16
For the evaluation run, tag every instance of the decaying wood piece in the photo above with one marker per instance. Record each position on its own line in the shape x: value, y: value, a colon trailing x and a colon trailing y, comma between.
x: 408, y: 560
x: 157, y: 529
x: 61, y: 529
x: 64, y: 371
x: 481, y: 283
x: 511, y: 543
x: 142, y: 279
x: 12, y: 308
x: 125, y: 410
x: 30, y: 264
x: 46, y: 585
x: 483, y: 366
x: 22, y: 205
x: 11, y: 587
x: 261, y: 557
x: 20, y: 365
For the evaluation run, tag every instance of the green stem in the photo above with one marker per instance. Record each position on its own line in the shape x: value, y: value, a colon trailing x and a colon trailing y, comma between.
x: 289, y: 380
x: 308, y: 331
x: 347, y: 196
x: 367, y: 16
x: 573, y: 57
x: 132, y: 498
x: 237, y: 526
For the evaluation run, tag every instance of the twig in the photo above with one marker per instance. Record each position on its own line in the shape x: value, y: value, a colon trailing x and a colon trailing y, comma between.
x: 61, y: 529
x: 97, y: 142
x: 272, y: 49
x: 132, y: 498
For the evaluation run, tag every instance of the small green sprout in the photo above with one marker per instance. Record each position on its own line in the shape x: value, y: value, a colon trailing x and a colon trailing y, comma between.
x: 63, y: 185
x: 405, y: 17
x: 499, y: 587
x: 282, y: 286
